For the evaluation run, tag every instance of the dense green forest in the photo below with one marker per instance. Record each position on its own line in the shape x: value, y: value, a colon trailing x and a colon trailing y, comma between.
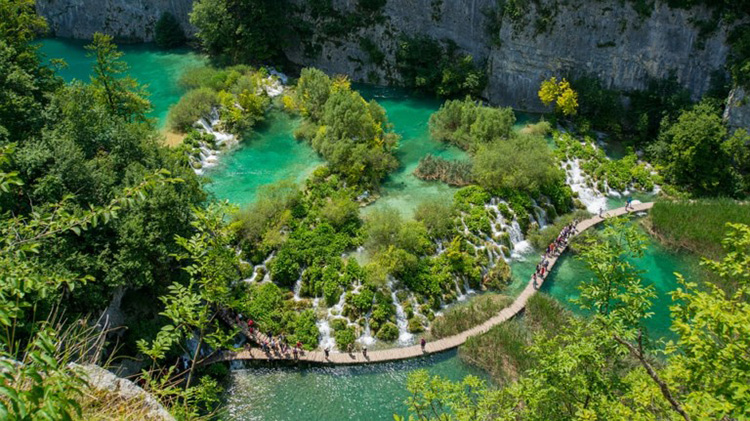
x: 98, y: 216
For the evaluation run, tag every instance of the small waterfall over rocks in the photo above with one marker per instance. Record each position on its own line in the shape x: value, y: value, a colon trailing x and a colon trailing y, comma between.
x: 589, y: 196
x: 404, y: 337
x: 325, y: 339
x: 261, y: 268
x: 209, y: 153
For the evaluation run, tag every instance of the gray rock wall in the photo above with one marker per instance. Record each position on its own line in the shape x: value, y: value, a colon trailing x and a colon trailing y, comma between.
x: 737, y: 112
x: 606, y: 38
x: 126, y: 20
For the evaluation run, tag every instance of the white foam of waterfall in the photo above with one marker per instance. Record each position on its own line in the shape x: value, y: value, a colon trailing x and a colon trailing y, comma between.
x: 404, y: 337
x: 209, y: 156
x: 325, y: 340
x: 298, y: 289
x: 460, y: 296
x: 590, y: 197
x: 339, y: 307
x: 540, y: 215
x: 367, y: 339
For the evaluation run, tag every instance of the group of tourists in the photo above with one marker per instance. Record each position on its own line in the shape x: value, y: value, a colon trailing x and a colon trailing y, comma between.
x: 554, y: 249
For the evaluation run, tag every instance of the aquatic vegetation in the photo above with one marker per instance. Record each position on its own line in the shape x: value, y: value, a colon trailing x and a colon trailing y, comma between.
x: 451, y: 172
x: 697, y: 225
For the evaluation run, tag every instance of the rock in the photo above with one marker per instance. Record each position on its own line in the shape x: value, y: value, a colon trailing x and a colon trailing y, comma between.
x: 126, y: 20
x: 102, y: 380
x: 606, y: 38
x: 737, y: 112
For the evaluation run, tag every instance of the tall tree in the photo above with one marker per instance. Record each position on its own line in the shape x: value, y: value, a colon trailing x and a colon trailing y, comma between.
x: 122, y: 94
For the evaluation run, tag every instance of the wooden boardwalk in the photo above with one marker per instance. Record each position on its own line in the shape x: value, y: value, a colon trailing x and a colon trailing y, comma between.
x: 394, y: 354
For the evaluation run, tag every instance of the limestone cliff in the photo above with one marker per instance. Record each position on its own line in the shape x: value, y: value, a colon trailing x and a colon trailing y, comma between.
x: 126, y: 20
x: 606, y: 38
x: 737, y: 112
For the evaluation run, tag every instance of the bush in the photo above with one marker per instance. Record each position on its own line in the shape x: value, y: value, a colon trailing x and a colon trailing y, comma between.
x: 436, y: 216
x: 522, y: 163
x: 193, y: 106
x: 388, y: 332
x: 168, y: 32
x: 468, y: 125
x: 344, y: 337
x: 415, y: 325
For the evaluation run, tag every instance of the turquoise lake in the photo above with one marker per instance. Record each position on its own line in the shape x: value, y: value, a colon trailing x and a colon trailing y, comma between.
x: 271, y: 154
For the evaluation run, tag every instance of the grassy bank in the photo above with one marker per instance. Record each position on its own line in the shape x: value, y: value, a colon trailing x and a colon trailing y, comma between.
x: 697, y: 226
x: 466, y: 315
x: 502, y: 351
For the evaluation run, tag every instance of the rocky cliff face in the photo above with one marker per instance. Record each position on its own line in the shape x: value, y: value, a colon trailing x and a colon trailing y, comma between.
x: 606, y: 38
x: 737, y: 112
x: 126, y: 20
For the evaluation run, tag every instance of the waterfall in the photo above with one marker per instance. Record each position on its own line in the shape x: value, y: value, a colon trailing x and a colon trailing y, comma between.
x: 404, y: 337
x: 325, y: 340
x: 298, y: 288
x: 256, y: 270
x: 590, y: 197
x: 367, y: 339
x: 460, y: 296
x: 540, y: 215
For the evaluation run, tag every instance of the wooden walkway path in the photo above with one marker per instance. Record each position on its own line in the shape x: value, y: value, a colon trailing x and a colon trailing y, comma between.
x: 394, y: 354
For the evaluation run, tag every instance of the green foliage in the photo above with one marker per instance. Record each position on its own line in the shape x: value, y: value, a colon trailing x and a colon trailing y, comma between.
x: 388, y: 332
x: 344, y: 337
x: 523, y: 163
x: 468, y: 125
x: 237, y: 93
x: 739, y: 57
x: 466, y: 315
x: 714, y: 326
x: 454, y: 75
x: 122, y: 94
x: 619, y: 174
x: 168, y: 33
x: 351, y: 134
x: 194, y: 105
x: 699, y: 155
x: 239, y: 31
x: 436, y: 216
x: 697, y: 225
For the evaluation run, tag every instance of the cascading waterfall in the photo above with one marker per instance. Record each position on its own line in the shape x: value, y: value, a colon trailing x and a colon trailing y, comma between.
x: 589, y: 196
x: 257, y: 269
x: 404, y: 337
x: 298, y: 289
x: 367, y: 339
x: 325, y: 339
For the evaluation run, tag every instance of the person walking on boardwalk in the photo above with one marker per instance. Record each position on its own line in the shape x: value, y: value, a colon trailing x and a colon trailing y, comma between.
x: 364, y: 351
x: 629, y: 204
x: 601, y: 212
x: 327, y: 351
x: 423, y: 342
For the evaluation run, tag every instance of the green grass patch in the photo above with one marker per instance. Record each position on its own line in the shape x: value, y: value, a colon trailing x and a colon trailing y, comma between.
x: 502, y: 351
x: 466, y: 315
x: 698, y: 226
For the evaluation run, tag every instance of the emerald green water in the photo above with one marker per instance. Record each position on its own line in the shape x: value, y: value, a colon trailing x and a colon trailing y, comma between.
x: 269, y: 155
x: 658, y: 266
x: 410, y: 114
x: 159, y: 69
x: 366, y: 393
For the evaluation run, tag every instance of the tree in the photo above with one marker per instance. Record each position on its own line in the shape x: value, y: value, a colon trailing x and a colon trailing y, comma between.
x: 709, y: 360
x: 168, y: 32
x: 559, y: 93
x: 122, y: 94
x: 698, y: 153
x: 238, y: 31
x: 521, y: 163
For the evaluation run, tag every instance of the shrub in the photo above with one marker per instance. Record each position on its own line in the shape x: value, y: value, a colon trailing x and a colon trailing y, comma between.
x: 193, y: 106
x: 388, y: 332
x: 344, y: 337
x: 469, y: 314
